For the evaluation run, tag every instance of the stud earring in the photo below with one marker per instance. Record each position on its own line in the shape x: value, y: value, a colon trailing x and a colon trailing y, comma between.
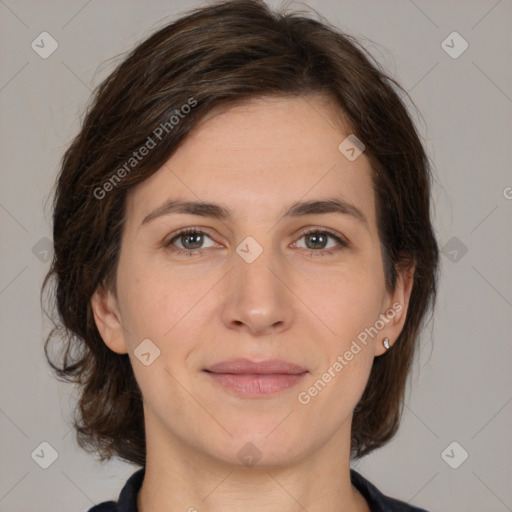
x: 386, y: 343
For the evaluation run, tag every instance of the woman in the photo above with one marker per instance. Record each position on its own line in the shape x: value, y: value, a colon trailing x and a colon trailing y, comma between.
x: 244, y: 259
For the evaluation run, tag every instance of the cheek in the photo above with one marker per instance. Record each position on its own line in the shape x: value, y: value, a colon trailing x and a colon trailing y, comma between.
x: 348, y: 301
x: 348, y: 305
x: 167, y: 309
x: 156, y: 311
x: 146, y: 299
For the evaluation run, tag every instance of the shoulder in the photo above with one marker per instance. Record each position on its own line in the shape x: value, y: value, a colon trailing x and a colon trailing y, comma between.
x: 127, y: 501
x: 106, y: 506
x: 377, y: 501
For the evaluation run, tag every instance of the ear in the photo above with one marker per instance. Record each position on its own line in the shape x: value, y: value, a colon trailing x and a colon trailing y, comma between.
x: 395, y: 309
x: 108, y: 319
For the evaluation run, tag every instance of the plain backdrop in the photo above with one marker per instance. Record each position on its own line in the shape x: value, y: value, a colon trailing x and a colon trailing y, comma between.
x: 461, y: 389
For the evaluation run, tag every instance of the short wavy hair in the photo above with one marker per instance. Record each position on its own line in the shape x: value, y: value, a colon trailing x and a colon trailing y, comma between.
x: 218, y: 56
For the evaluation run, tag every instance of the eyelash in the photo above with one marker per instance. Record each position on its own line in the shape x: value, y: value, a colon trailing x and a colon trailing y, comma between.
x: 315, y: 230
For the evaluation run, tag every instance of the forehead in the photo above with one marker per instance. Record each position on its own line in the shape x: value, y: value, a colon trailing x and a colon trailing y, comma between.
x: 289, y: 126
x: 258, y: 156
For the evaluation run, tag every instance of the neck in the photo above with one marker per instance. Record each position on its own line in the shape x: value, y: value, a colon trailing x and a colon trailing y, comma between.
x: 179, y: 477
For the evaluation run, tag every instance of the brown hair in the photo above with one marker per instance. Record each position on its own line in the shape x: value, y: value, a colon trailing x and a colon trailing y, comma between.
x: 217, y: 56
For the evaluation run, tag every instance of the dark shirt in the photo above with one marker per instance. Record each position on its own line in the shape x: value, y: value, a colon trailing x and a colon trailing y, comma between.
x: 376, y: 500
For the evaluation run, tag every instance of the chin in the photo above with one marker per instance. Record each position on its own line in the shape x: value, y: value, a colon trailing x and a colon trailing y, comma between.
x: 256, y: 448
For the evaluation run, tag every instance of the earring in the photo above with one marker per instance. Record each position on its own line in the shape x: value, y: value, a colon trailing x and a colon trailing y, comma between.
x: 386, y: 343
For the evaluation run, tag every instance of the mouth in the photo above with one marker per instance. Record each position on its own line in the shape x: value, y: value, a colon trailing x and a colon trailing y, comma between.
x: 251, y: 379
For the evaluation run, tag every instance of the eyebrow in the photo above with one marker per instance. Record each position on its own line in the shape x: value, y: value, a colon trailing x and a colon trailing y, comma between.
x: 221, y: 212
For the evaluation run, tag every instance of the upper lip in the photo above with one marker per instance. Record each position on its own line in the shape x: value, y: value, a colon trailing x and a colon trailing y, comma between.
x: 269, y: 366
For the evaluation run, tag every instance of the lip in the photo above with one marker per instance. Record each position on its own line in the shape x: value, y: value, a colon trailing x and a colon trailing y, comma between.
x: 246, y: 366
x: 247, y: 378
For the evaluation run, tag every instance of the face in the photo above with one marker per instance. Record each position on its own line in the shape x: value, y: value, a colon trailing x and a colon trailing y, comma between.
x: 257, y: 278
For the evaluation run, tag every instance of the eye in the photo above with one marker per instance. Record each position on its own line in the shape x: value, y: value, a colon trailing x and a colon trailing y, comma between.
x: 316, y: 241
x: 191, y: 240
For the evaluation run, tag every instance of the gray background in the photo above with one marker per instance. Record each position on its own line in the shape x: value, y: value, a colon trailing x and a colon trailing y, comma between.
x: 461, y: 390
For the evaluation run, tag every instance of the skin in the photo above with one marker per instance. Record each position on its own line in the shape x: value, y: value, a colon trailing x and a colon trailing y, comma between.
x: 290, y: 303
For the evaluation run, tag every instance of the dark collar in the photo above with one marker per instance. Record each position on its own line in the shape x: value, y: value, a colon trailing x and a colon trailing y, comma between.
x: 377, y: 501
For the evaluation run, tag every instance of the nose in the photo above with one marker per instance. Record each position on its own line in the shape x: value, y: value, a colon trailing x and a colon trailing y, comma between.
x: 257, y: 298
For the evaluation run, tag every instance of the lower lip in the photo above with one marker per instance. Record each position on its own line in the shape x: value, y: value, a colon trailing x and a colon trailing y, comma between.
x: 254, y: 385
